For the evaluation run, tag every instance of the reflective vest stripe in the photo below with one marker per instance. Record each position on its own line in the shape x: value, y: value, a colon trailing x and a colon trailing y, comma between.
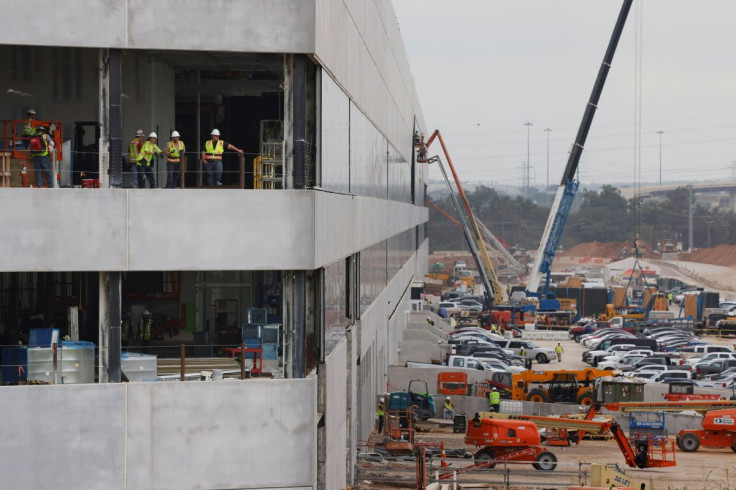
x: 133, y: 150
x: 214, y: 152
x: 175, y: 152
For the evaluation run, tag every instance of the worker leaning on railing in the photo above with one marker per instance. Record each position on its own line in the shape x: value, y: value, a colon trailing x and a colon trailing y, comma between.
x: 212, y: 157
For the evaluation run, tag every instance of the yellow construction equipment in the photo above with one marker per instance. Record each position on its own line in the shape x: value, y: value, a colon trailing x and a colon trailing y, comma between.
x: 556, y: 386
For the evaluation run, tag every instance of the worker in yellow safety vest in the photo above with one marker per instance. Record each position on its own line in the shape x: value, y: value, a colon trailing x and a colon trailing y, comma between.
x: 29, y: 128
x: 448, y: 412
x: 494, y: 398
x: 212, y: 157
x: 145, y: 161
x: 39, y: 146
x: 134, y: 149
x: 174, y: 151
x: 381, y: 414
x: 559, y: 351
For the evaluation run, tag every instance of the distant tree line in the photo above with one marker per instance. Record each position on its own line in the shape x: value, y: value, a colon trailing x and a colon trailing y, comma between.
x: 604, y: 216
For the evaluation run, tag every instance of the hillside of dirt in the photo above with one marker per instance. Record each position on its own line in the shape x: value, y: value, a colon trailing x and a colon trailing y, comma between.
x: 606, y: 250
x: 724, y: 255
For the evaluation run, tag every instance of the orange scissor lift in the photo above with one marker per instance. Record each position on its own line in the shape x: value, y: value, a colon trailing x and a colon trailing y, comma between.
x: 14, y: 146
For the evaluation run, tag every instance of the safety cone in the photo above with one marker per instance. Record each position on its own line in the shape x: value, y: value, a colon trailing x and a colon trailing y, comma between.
x: 443, y: 455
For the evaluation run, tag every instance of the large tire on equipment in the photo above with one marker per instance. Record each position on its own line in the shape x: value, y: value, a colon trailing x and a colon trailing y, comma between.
x: 537, y: 396
x: 485, y: 455
x: 541, y: 358
x: 546, y: 461
x: 585, y: 398
x: 689, y: 442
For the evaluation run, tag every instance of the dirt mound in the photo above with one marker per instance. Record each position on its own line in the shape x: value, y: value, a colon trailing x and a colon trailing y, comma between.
x: 724, y: 255
x: 606, y: 250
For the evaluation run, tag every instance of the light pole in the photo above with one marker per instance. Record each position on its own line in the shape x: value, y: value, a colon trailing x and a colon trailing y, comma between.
x: 526, y: 184
x: 546, y: 190
x: 660, y: 133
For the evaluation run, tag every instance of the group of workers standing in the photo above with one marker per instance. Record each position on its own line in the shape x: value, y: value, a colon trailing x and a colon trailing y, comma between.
x: 142, y: 154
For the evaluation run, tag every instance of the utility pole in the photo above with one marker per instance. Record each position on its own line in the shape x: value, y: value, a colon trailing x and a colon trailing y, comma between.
x: 546, y: 189
x: 690, y: 218
x: 528, y: 166
x: 660, y: 133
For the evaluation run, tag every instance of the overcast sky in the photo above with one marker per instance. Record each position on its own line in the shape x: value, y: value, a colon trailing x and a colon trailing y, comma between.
x: 483, y: 68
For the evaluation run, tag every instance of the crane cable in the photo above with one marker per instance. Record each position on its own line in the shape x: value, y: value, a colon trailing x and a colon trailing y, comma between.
x: 638, y: 78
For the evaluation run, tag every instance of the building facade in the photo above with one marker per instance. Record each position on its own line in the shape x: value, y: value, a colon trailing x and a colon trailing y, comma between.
x: 320, y: 226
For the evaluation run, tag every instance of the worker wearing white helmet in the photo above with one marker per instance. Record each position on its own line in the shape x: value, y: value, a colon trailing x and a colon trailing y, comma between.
x: 381, y: 414
x: 29, y: 127
x: 448, y: 410
x: 145, y: 161
x: 174, y: 152
x: 212, y: 157
x: 134, y: 149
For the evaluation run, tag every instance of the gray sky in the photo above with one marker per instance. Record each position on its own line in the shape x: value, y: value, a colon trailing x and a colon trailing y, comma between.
x: 483, y: 68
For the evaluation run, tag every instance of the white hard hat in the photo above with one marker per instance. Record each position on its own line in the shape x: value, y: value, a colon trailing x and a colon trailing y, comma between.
x: 175, y: 134
x: 139, y: 132
x: 381, y: 400
x: 215, y: 132
x: 152, y: 135
x: 447, y: 398
x: 494, y: 388
x: 32, y: 111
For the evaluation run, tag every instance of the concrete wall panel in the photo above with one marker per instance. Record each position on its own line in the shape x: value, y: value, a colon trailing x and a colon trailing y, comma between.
x: 336, y: 418
x: 63, y: 230
x: 253, y: 434
x: 77, y: 440
x: 193, y: 229
x: 220, y: 229
x: 159, y: 435
x: 273, y: 26
x: 360, y: 45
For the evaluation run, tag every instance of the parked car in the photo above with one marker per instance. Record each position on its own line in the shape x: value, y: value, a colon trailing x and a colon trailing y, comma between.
x: 621, y: 363
x: 542, y: 355
x: 712, y: 367
x: 593, y: 356
x: 471, y: 305
x: 669, y: 375
x: 710, y: 357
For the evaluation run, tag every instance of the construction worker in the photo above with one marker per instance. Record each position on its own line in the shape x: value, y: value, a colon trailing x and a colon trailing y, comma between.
x: 559, y: 351
x: 494, y: 329
x: 174, y: 151
x: 145, y: 161
x: 381, y: 414
x: 212, y: 157
x: 522, y: 352
x: 29, y: 129
x: 494, y: 397
x: 448, y: 412
x: 39, y: 146
x: 134, y: 149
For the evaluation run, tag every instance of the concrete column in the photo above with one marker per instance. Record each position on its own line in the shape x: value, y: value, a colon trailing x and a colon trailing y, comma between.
x: 104, y: 117
x: 110, y: 320
x: 104, y: 328
x: 115, y: 123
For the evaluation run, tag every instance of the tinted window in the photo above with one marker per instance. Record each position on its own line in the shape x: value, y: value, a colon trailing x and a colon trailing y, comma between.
x: 458, y: 362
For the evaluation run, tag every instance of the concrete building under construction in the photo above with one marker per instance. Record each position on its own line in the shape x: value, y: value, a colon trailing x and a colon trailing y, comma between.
x: 314, y: 236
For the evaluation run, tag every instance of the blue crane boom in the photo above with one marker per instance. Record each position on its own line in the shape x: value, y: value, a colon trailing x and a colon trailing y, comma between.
x: 569, y: 185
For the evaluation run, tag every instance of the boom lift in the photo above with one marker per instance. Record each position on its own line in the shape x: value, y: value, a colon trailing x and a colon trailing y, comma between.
x: 569, y: 185
x: 493, y: 292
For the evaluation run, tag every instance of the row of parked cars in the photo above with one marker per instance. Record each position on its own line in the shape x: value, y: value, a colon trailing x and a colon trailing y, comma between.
x: 661, y: 354
x: 457, y: 302
x: 477, y: 348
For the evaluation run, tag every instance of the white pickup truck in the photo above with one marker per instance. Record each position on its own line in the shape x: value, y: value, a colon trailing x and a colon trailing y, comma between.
x: 459, y: 362
x: 542, y: 355
x: 701, y: 351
